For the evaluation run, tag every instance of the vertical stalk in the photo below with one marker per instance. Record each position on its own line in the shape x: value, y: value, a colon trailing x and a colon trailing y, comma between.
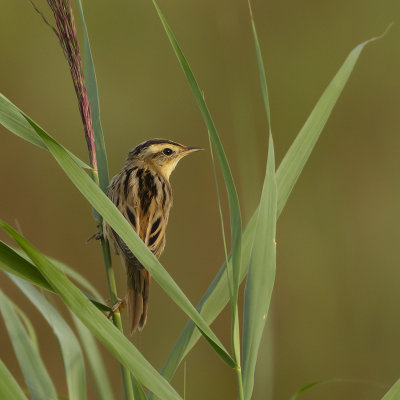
x: 238, y: 370
x: 112, y: 290
x: 116, y: 316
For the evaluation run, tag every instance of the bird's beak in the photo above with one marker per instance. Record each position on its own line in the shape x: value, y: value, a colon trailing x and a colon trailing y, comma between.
x: 189, y: 150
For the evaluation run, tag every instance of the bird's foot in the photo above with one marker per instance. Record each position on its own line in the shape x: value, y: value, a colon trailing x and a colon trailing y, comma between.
x: 97, y: 236
x: 118, y: 306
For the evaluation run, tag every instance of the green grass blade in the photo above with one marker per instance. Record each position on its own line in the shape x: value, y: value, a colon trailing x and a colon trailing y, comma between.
x: 261, y: 275
x: 107, y: 210
x: 36, y: 377
x: 70, y: 348
x: 13, y: 262
x: 217, y: 295
x: 9, y: 388
x: 101, y: 381
x: 260, y: 63
x: 234, y: 208
x: 30, y: 330
x: 12, y: 118
x: 393, y: 393
x: 300, y: 150
x: 92, y: 91
x: 83, y: 282
x: 69, y: 272
x: 139, y: 393
x: 98, y: 324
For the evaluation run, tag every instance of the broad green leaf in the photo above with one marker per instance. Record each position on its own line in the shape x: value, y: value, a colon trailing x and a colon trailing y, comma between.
x: 92, y: 91
x: 19, y: 265
x: 70, y: 349
x: 122, y: 349
x: 102, y: 384
x: 121, y: 226
x: 234, y: 208
x: 261, y: 275
x: 217, y: 294
x: 393, y: 393
x: 36, y: 377
x: 16, y: 121
x: 9, y: 388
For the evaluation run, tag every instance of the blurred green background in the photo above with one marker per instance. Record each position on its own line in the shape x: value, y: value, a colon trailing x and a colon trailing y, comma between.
x: 335, y: 308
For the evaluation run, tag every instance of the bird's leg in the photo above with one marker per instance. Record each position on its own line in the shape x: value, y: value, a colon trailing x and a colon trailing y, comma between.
x: 119, y: 305
x: 96, y: 235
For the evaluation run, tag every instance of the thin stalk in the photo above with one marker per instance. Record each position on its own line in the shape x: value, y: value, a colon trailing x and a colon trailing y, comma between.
x: 116, y: 316
x: 112, y: 290
x: 238, y: 370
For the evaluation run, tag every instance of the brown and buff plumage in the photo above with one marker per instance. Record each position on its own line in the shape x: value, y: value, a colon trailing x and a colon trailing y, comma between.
x: 142, y: 193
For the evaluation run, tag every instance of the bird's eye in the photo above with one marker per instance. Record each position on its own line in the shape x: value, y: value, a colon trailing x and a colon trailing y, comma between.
x: 167, y: 151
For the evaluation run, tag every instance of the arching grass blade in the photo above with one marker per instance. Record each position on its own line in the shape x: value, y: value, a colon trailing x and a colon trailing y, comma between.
x: 70, y: 348
x: 122, y: 349
x: 12, y: 118
x: 9, y: 388
x: 35, y: 374
x: 13, y: 262
x: 101, y: 381
x: 217, y: 295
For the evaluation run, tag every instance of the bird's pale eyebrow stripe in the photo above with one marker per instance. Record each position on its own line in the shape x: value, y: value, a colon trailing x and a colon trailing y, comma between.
x: 155, y: 225
x: 131, y: 217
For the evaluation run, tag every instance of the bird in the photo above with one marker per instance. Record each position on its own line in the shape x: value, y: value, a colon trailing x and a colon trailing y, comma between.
x: 142, y: 193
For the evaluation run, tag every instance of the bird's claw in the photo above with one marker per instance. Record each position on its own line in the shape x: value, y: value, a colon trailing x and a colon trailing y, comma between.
x: 97, y: 236
x: 119, y: 305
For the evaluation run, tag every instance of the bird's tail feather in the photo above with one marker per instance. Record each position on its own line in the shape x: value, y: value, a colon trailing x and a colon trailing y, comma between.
x: 138, y: 295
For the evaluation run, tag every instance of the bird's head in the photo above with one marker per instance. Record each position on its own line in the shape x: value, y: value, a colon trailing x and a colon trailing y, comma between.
x: 161, y: 154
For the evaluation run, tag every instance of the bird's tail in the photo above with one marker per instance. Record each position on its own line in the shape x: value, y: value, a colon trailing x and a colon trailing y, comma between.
x: 138, y: 295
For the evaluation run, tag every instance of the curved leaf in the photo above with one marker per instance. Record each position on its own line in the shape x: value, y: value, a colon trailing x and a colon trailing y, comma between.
x: 16, y: 121
x: 70, y: 349
x: 123, y: 350
x: 19, y: 265
x: 217, y: 295
x: 36, y: 377
x: 103, y: 387
x: 234, y: 208
x: 9, y: 388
